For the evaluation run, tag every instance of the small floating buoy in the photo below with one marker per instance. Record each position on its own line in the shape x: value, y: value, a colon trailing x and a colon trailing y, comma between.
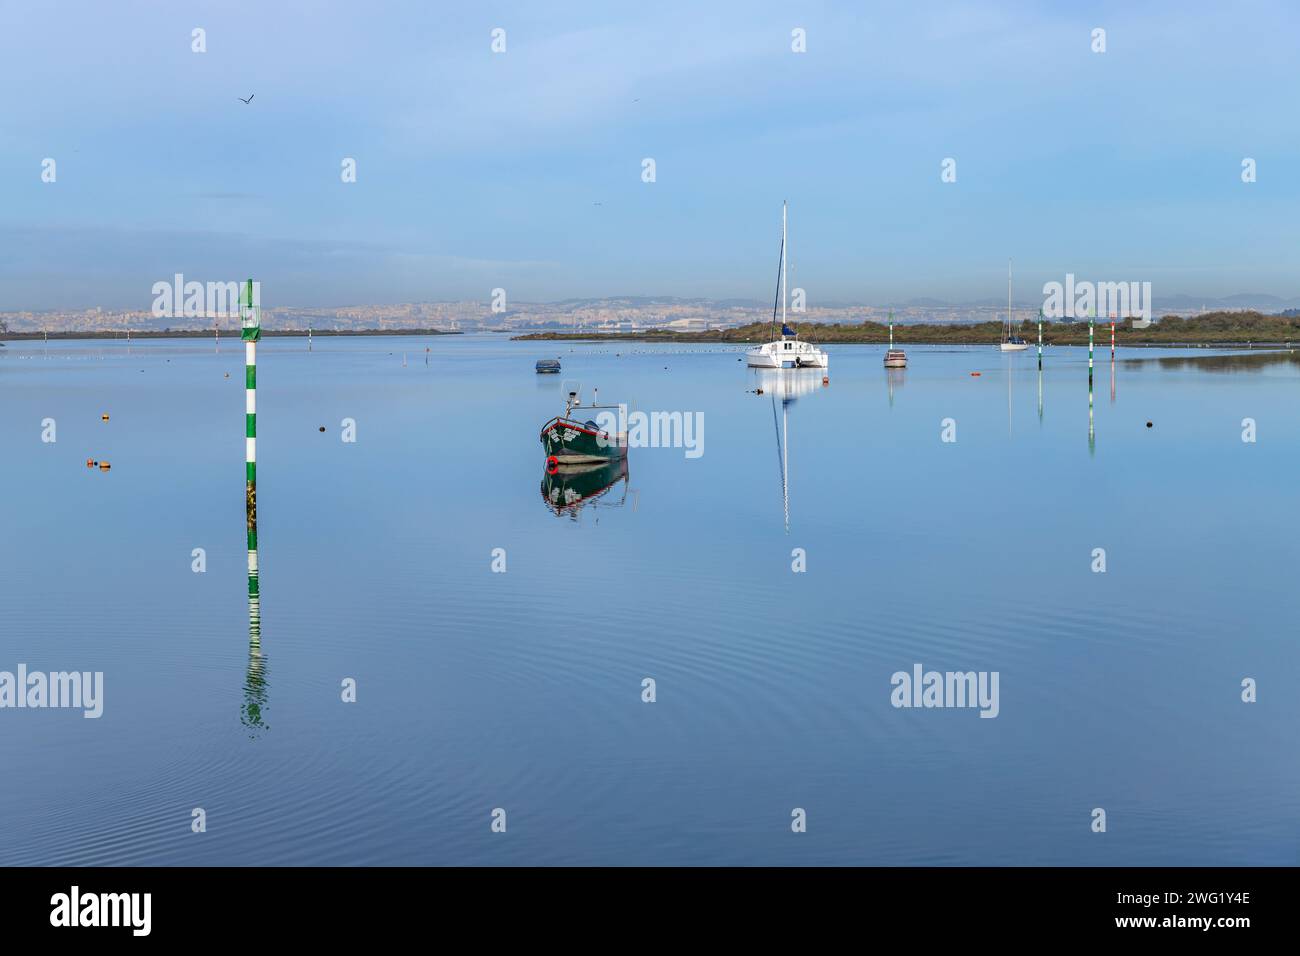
x: 975, y: 374
x: 104, y: 417
x: 104, y: 466
x: 552, y: 465
x: 758, y: 391
x: 322, y: 428
x: 1148, y: 424
x: 227, y: 375
x: 826, y: 379
x: 91, y: 463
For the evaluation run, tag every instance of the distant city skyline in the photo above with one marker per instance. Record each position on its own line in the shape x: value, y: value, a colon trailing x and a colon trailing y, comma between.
x: 522, y: 170
x: 627, y: 313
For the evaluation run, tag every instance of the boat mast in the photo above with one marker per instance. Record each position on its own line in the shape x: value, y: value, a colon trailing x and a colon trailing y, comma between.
x: 891, y: 330
x: 1008, y: 300
x: 779, y: 268
x: 784, y: 289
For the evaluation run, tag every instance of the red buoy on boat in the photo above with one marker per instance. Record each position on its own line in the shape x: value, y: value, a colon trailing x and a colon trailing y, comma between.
x: 552, y: 464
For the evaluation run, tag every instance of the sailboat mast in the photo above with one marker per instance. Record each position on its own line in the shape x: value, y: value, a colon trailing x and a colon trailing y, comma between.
x: 784, y: 259
x: 780, y: 265
x: 1008, y: 298
x: 891, y: 329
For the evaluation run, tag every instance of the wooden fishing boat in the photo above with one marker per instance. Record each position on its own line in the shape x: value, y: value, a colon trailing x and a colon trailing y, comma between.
x: 571, y: 441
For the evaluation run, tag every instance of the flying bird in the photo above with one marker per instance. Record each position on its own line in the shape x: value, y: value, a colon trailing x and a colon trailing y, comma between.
x: 249, y: 100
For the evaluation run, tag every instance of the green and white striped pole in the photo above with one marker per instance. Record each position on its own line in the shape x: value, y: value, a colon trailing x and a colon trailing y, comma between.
x: 1040, y: 340
x: 251, y: 330
x: 1091, y: 322
x: 1092, y: 447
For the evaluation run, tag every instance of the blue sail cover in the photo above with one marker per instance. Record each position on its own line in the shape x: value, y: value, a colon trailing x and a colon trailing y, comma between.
x: 786, y: 330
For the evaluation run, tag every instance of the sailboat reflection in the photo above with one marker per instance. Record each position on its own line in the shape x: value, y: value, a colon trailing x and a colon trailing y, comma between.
x: 895, y: 378
x: 567, y: 489
x: 786, y: 385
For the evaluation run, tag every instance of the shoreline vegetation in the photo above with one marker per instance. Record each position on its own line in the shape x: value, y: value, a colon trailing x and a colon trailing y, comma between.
x: 1212, y: 328
x: 232, y: 333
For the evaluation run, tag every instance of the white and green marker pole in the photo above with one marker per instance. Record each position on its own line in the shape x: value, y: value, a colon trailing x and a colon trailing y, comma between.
x: 1091, y: 322
x: 251, y: 330
x: 891, y: 329
x: 1040, y: 340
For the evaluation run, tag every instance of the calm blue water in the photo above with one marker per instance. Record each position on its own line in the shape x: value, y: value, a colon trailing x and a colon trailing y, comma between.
x: 522, y: 690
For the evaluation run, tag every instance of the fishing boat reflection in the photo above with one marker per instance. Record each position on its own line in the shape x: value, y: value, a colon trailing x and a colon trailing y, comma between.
x: 568, y: 489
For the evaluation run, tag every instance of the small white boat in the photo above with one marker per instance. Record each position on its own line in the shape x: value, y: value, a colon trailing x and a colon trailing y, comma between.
x: 894, y: 358
x: 787, y: 351
x: 1011, y: 343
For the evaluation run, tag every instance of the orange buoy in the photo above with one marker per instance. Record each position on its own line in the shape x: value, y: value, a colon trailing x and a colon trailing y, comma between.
x: 826, y: 379
x: 104, y: 466
x: 975, y: 374
x: 552, y: 465
x: 91, y: 463
x: 104, y: 417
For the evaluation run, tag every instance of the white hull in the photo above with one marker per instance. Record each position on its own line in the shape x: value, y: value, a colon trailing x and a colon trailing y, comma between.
x: 777, y: 355
x: 1014, y: 346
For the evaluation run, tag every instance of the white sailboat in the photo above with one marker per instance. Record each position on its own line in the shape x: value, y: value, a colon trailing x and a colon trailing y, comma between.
x: 1010, y: 342
x: 787, y: 351
x: 894, y: 358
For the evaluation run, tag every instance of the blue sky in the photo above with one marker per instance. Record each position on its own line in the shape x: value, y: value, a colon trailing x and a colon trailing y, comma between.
x: 477, y: 170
